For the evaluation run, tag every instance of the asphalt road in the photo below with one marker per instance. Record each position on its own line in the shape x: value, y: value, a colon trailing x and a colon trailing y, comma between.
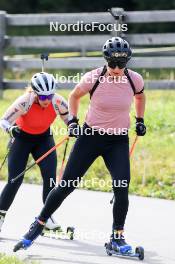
x: 150, y: 223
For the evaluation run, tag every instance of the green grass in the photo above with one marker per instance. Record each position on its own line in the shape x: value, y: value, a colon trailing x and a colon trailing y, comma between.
x: 4, y: 259
x: 153, y: 162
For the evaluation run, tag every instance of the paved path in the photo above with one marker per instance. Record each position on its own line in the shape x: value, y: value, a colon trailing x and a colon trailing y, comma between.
x: 150, y: 223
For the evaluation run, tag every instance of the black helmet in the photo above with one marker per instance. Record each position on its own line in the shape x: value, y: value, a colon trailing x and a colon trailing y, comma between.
x: 117, y: 52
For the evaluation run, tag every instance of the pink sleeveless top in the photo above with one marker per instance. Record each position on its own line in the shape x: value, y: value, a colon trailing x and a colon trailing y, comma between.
x: 111, y: 102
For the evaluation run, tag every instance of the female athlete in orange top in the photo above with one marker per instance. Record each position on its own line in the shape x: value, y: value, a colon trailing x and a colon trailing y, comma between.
x: 28, y: 122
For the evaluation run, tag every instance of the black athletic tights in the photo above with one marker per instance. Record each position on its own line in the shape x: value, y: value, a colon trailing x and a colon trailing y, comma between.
x: 115, y: 152
x: 17, y: 161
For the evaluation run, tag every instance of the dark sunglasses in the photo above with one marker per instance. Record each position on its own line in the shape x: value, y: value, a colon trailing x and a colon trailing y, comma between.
x: 45, y: 97
x: 120, y: 64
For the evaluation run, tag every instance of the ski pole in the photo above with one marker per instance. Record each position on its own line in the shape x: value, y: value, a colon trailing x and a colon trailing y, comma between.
x: 44, y: 56
x: 133, y: 146
x: 8, y: 150
x: 40, y: 159
x: 62, y: 165
x: 130, y: 154
x: 4, y: 159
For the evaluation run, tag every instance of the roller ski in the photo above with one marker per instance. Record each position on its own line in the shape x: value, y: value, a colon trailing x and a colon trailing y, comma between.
x: 53, y: 230
x: 35, y: 230
x: 118, y: 246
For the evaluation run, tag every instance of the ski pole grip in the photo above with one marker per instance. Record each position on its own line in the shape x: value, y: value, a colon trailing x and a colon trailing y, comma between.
x: 45, y: 56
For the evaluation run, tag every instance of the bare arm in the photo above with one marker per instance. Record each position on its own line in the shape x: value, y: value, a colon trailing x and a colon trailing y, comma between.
x: 74, y: 99
x: 140, y: 101
x: 18, y: 108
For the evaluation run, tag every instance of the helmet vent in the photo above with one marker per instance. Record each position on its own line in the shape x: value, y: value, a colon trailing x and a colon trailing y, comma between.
x: 40, y: 85
x: 106, y: 53
x: 114, y: 45
x: 46, y: 82
x: 52, y: 84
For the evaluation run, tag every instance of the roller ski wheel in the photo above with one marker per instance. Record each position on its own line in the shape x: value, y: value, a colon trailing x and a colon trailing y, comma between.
x: 70, y: 231
x: 22, y: 244
x: 139, y: 252
x: 108, y: 249
x: 59, y: 233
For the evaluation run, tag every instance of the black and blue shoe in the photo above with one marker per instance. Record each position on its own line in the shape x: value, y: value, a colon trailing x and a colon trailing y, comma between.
x: 119, y: 244
x: 35, y: 230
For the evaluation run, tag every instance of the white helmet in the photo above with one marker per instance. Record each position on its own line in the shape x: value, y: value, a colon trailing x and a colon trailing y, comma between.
x: 43, y: 83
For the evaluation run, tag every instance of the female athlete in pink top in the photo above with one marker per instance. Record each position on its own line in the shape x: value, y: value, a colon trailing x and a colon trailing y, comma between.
x: 110, y: 106
x: 105, y: 133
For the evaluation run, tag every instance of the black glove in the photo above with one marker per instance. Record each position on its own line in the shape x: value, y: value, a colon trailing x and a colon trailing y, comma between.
x: 140, y: 127
x: 14, y: 131
x: 73, y: 127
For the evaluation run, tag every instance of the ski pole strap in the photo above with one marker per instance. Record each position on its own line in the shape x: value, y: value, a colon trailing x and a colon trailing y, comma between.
x: 98, y: 81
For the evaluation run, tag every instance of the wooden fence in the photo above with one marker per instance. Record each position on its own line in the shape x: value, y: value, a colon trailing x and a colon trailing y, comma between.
x: 84, y: 43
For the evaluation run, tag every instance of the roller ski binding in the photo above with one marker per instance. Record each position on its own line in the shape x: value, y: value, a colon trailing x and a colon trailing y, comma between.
x: 35, y: 230
x: 118, y: 246
x: 53, y: 230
